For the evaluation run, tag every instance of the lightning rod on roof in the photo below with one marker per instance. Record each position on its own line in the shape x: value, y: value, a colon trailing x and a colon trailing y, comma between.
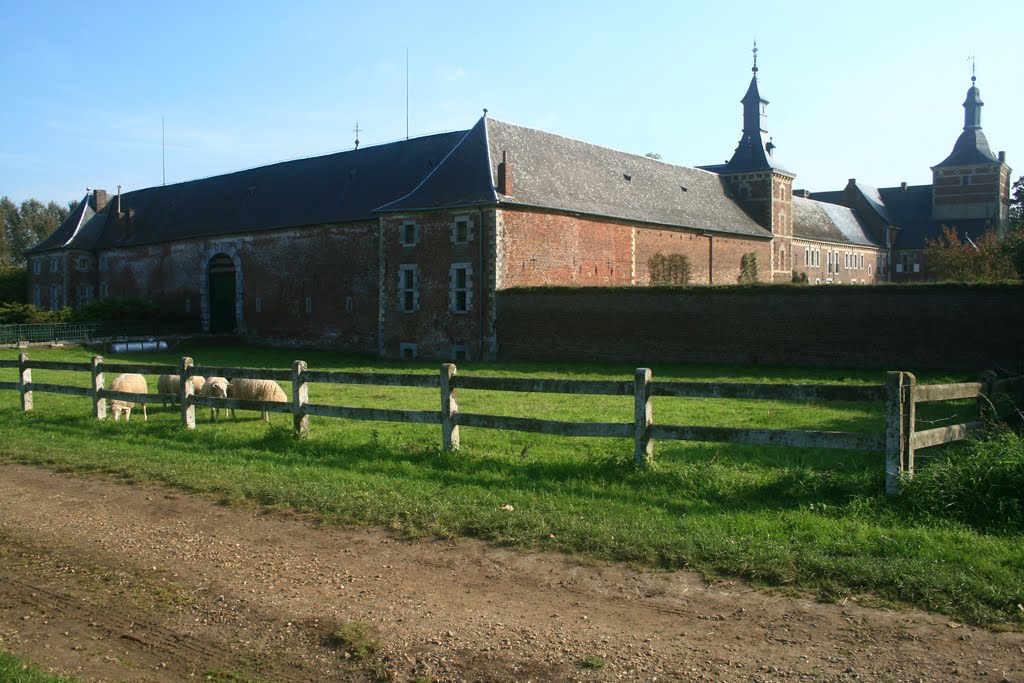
x: 163, y: 150
x: 356, y: 131
x: 407, y: 93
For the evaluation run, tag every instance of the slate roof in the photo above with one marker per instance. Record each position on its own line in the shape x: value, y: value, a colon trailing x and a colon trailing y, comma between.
x: 910, y: 210
x: 554, y: 172
x: 432, y: 172
x: 824, y: 222
x: 336, y: 188
x: 66, y: 231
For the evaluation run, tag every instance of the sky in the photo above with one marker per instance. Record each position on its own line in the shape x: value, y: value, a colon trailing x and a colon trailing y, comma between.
x: 138, y: 94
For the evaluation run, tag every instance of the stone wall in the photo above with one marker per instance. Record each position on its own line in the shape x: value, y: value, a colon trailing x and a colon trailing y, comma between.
x: 885, y: 327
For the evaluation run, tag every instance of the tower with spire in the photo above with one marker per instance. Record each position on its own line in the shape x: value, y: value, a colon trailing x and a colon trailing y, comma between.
x: 972, y: 183
x: 759, y: 182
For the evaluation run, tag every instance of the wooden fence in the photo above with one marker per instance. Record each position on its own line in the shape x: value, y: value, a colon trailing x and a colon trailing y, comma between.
x: 900, y: 395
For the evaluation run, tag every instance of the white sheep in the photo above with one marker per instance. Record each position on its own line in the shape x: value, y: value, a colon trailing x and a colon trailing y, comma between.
x: 256, y: 390
x: 171, y: 384
x: 215, y: 387
x: 130, y: 383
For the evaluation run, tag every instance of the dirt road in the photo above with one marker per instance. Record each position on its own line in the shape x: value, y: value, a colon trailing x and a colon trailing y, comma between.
x: 116, y: 582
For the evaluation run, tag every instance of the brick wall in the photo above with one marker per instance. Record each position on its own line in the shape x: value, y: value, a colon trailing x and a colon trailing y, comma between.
x: 879, y: 327
x: 277, y: 272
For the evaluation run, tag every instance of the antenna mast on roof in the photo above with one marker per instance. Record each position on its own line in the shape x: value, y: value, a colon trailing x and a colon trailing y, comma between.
x: 163, y: 150
x: 356, y: 131
x: 407, y: 93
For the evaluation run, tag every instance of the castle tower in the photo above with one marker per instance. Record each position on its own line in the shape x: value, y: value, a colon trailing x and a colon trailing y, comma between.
x: 972, y: 183
x: 760, y: 184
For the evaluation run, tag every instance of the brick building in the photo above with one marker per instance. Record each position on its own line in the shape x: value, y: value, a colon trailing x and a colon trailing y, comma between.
x: 400, y: 249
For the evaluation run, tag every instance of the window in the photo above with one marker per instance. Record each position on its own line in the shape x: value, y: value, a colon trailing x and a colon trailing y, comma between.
x: 917, y: 267
x: 965, y: 180
x: 862, y: 261
x: 37, y: 266
x: 460, y: 294
x: 54, y: 298
x: 348, y: 304
x: 459, y: 352
x: 828, y: 256
x: 309, y: 305
x: 104, y: 264
x: 82, y: 264
x: 807, y: 257
x: 869, y: 269
x: 259, y: 305
x: 104, y: 290
x: 408, y: 351
x: 84, y: 295
x: 409, y: 288
x: 462, y: 230
x: 37, y: 297
x: 409, y: 234
x: 837, y: 261
x: 54, y: 264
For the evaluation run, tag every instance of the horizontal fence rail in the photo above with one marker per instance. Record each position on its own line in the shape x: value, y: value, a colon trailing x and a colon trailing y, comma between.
x: 900, y: 394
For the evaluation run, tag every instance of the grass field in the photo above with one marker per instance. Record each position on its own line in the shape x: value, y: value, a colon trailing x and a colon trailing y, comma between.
x: 801, y: 520
x: 15, y: 670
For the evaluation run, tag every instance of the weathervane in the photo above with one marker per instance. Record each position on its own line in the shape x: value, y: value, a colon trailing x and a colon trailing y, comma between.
x: 356, y: 131
x: 755, y: 56
x: 973, y: 64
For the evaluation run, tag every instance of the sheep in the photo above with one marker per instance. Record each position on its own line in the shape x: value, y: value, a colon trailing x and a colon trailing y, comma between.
x: 171, y: 384
x: 256, y: 390
x: 130, y: 383
x: 215, y: 387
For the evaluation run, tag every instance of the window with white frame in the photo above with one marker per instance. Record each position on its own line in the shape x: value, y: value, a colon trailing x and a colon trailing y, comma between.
x: 104, y: 290
x: 408, y: 351
x: 54, y: 298
x: 37, y: 297
x: 462, y: 230
x: 409, y: 234
x: 409, y: 288
x: 54, y: 264
x: 83, y: 263
x: 37, y: 266
x: 828, y: 257
x: 807, y: 257
x: 862, y: 261
x: 837, y: 261
x: 461, y: 292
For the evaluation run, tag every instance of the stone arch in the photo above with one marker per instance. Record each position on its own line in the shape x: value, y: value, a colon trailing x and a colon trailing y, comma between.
x: 221, y: 261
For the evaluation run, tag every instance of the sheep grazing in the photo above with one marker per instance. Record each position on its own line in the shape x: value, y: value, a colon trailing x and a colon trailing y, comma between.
x: 130, y: 383
x: 257, y: 390
x: 215, y: 387
x: 171, y: 384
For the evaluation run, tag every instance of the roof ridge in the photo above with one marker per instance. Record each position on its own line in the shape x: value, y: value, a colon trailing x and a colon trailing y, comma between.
x: 81, y: 219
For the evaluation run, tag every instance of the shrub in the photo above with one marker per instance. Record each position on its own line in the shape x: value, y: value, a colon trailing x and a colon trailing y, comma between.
x: 748, y: 268
x: 121, y: 309
x: 980, y: 484
x: 13, y: 283
x: 15, y: 313
x: 669, y: 270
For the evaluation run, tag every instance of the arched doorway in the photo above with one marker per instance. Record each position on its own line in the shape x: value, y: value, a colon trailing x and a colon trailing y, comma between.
x: 221, y: 272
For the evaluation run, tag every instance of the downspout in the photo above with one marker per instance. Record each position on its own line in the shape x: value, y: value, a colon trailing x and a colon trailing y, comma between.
x: 711, y: 259
x: 480, y: 219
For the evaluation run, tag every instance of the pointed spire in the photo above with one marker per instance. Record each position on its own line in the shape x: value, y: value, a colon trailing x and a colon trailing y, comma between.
x: 755, y: 150
x: 972, y: 145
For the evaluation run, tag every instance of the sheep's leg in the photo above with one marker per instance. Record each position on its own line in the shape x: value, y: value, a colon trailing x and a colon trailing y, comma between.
x: 145, y: 417
x: 265, y: 415
x: 127, y: 414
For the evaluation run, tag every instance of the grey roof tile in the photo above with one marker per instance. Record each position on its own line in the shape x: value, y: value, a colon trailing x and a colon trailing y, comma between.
x: 821, y: 221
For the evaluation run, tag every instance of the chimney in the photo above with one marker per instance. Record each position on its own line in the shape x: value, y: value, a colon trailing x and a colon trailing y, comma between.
x: 99, y: 200
x: 1002, y: 157
x: 505, y: 174
x: 903, y: 186
x: 806, y: 194
x: 853, y: 181
x: 118, y: 201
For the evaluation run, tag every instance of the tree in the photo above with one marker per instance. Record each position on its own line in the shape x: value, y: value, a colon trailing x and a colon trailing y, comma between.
x: 985, y: 260
x: 1017, y: 204
x: 669, y: 270
x: 27, y: 225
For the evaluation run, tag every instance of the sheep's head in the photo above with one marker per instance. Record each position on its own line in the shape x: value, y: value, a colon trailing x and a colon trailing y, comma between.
x: 218, y: 388
x: 117, y: 410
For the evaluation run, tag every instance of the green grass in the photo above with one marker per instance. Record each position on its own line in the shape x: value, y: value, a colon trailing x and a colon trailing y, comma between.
x: 804, y: 520
x: 15, y: 670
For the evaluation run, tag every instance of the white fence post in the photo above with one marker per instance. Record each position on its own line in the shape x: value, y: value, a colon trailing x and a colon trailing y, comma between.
x: 643, y: 417
x: 185, y: 392
x: 99, y: 404
x: 894, y: 432
x: 910, y: 416
x: 24, y: 379
x: 449, y: 409
x: 300, y: 397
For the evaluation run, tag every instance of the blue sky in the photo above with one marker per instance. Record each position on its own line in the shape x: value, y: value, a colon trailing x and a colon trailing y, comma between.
x: 870, y: 90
